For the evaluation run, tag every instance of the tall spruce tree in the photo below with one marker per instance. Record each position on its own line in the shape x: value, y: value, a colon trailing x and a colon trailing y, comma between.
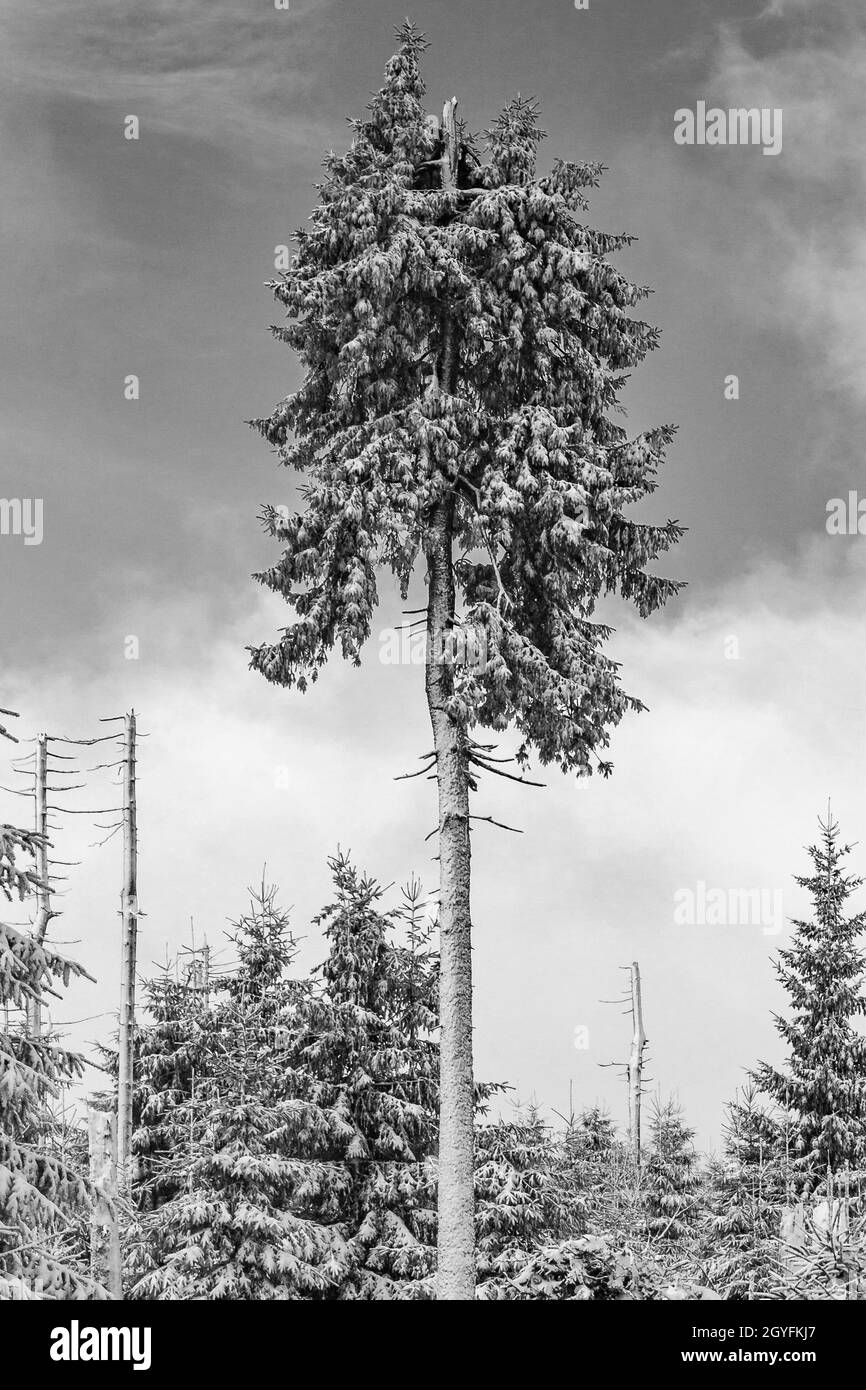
x: 823, y: 1089
x: 465, y: 339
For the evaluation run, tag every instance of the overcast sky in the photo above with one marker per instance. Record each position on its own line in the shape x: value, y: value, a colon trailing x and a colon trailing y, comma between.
x: 150, y: 257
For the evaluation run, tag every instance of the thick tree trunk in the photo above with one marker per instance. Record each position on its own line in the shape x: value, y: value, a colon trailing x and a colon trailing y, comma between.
x: 456, y: 1240
x: 456, y: 1244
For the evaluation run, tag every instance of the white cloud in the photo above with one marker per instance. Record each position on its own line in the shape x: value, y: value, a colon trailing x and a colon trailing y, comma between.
x: 721, y: 781
x: 212, y: 71
x: 808, y: 206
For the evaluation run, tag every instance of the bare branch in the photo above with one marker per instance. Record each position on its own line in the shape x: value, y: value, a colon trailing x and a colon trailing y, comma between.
x: 498, y: 824
x: 497, y: 772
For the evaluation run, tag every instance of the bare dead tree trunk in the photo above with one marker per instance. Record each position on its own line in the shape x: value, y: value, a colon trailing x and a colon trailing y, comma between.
x: 456, y: 1237
x: 105, y: 1260
x: 129, y: 916
x: 43, y: 890
x: 635, y: 1065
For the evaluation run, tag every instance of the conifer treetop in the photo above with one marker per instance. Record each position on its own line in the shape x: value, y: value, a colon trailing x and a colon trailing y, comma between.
x: 469, y: 345
x: 822, y: 972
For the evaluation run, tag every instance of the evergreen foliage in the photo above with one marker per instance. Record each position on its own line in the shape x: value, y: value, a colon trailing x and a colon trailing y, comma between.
x: 518, y: 1197
x: 466, y: 345
x: 169, y: 1051
x: 746, y: 1189
x: 40, y: 1191
x: 303, y: 1162
x: 823, y: 1088
x: 670, y: 1174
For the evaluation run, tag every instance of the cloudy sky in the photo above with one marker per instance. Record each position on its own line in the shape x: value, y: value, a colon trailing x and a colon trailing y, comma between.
x: 149, y: 257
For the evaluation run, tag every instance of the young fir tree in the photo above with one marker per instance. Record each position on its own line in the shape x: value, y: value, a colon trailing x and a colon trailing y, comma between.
x: 593, y: 1135
x: 745, y: 1191
x: 171, y: 1052
x: 519, y: 1199
x: 595, y: 1166
x: 224, y: 1226
x: 534, y: 1241
x: 39, y: 1190
x: 751, y: 1179
x: 671, y: 1174
x: 464, y: 338
x: 306, y: 1171
x: 823, y: 1089
x: 368, y: 1058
